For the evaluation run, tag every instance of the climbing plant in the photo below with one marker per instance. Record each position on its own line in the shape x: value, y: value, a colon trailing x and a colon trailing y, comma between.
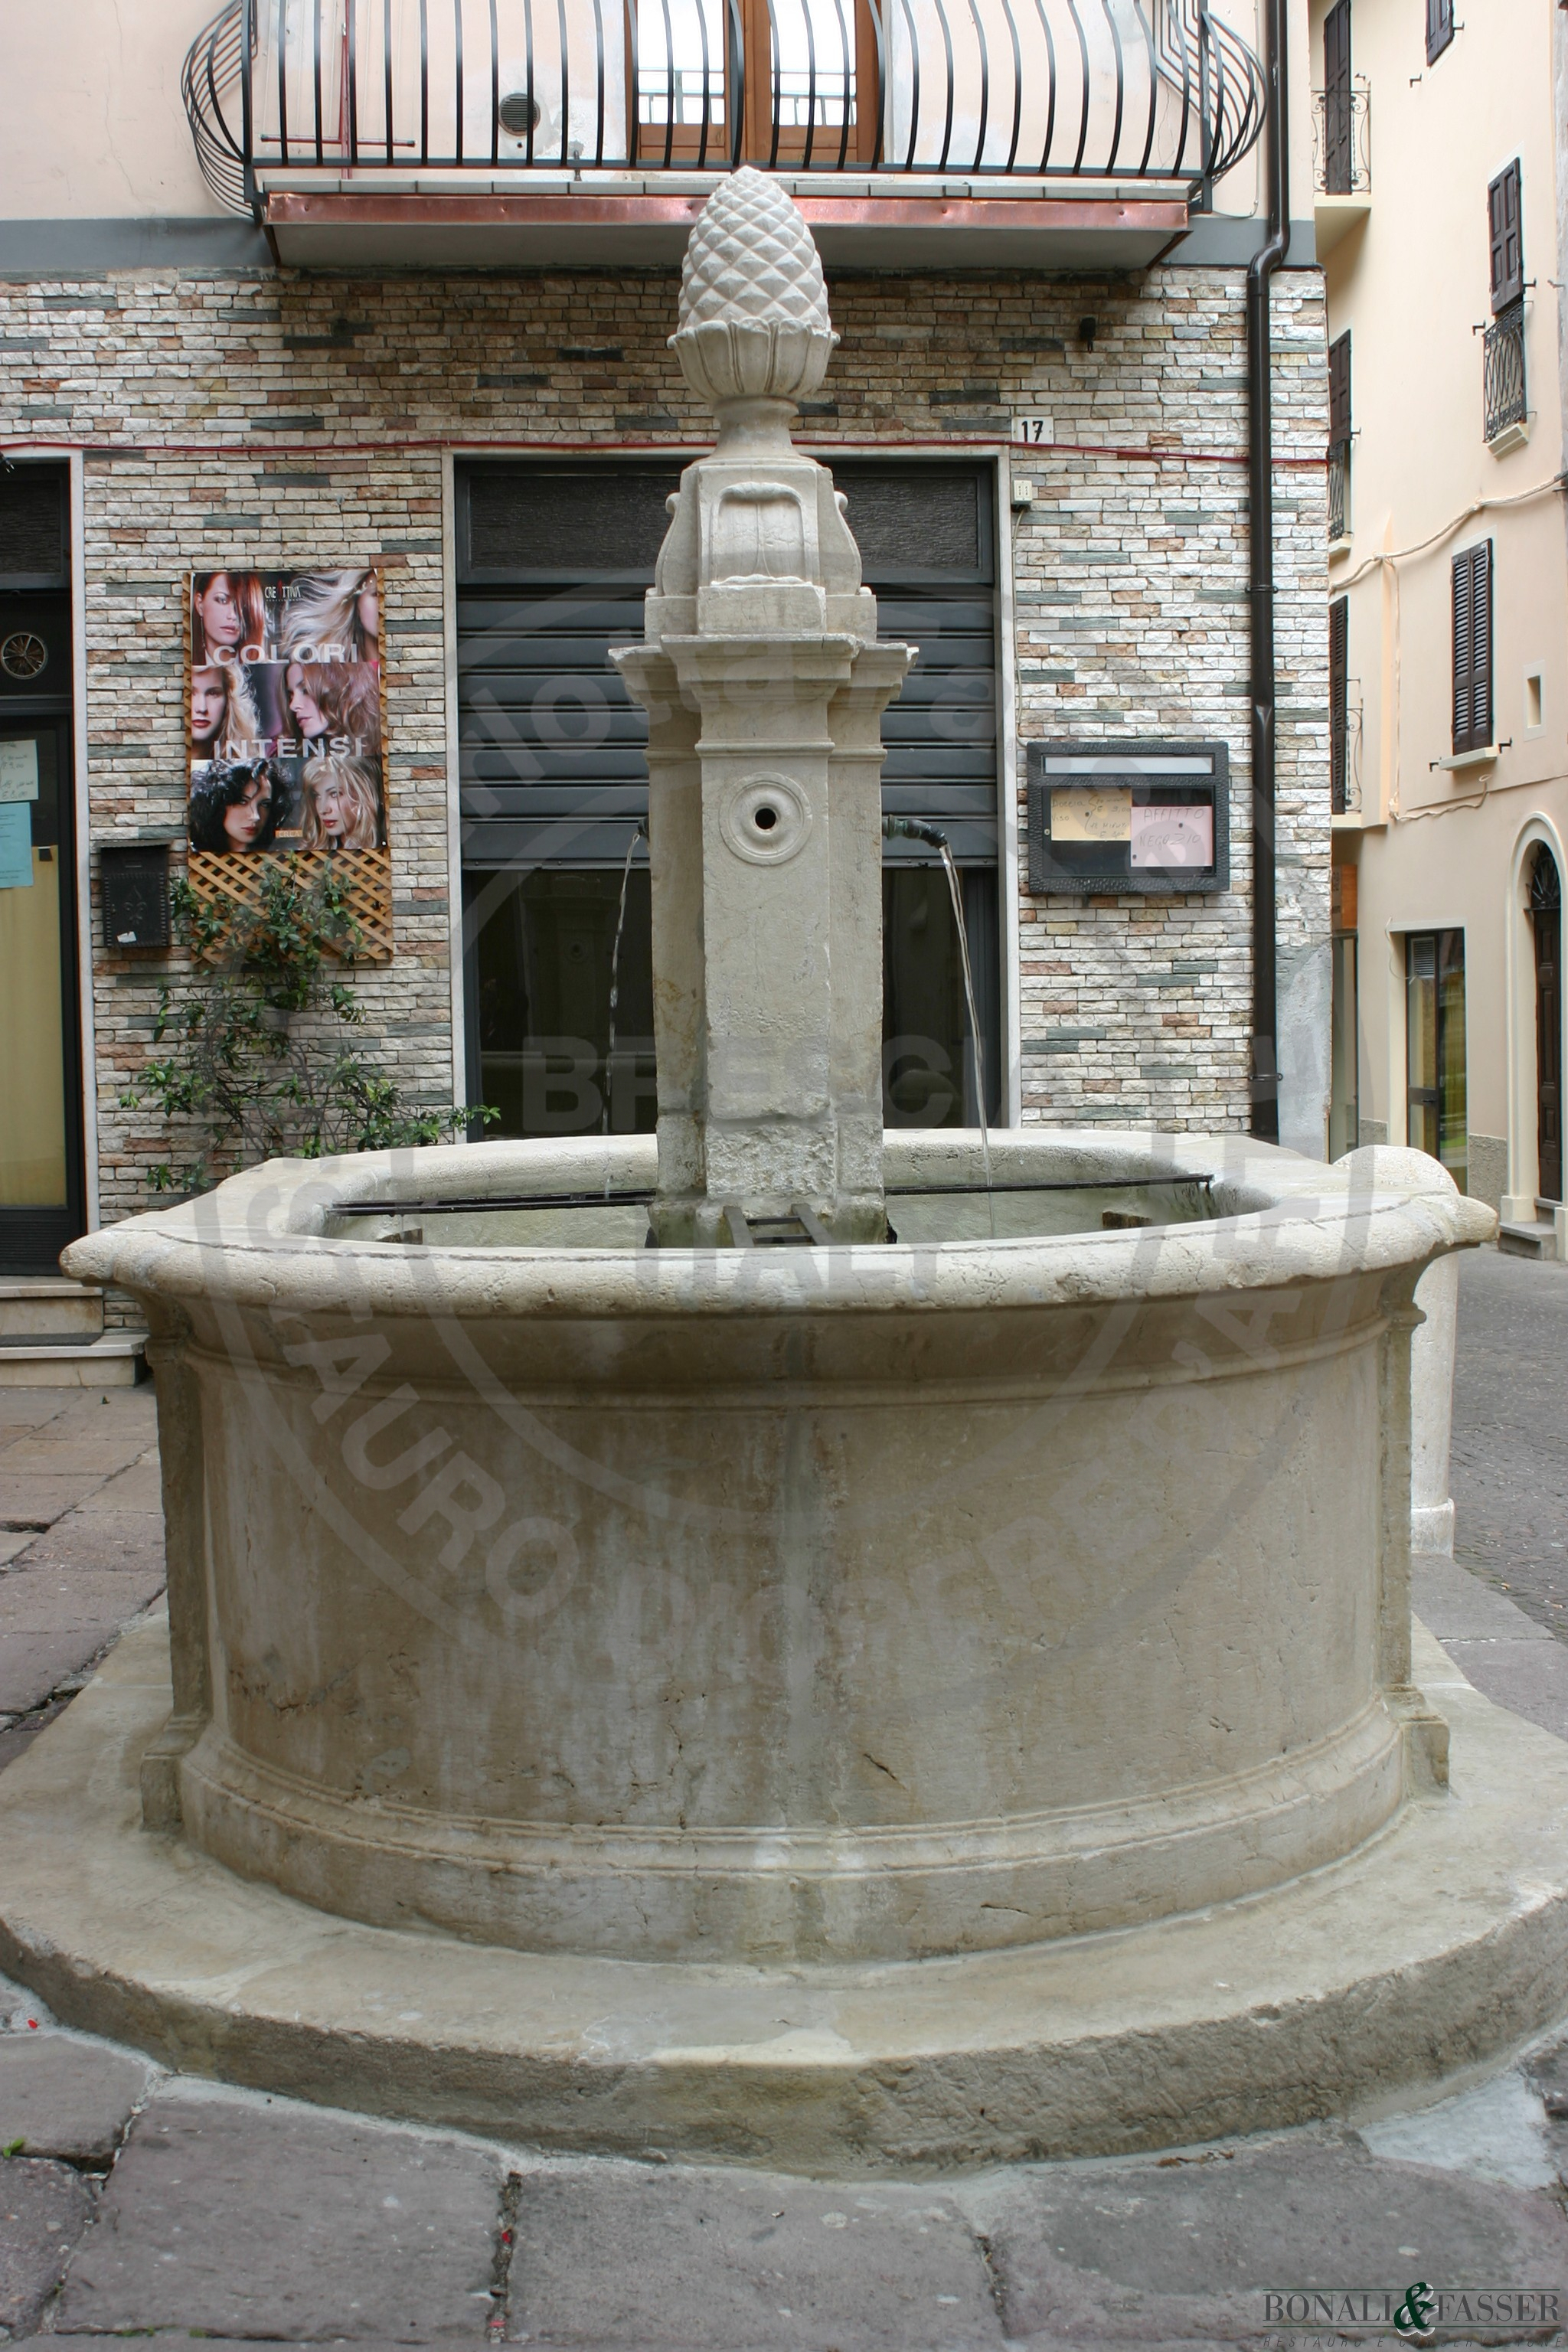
x: 262, y: 1056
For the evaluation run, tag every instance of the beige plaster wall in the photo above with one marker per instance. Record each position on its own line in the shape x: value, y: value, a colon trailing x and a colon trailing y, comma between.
x: 1439, y: 847
x: 93, y: 123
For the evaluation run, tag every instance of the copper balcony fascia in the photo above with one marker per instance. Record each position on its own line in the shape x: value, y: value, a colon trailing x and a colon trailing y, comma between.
x: 853, y: 230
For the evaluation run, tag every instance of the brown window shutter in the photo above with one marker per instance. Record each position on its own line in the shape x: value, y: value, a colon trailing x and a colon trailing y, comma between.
x: 1461, y: 600
x: 1439, y: 28
x: 1340, y: 388
x: 1339, y: 703
x: 1481, y: 641
x: 1472, y: 601
x: 1337, y: 151
x: 1505, y: 229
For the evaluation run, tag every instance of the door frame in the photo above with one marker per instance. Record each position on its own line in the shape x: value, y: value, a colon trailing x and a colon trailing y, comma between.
x: 1519, y: 940
x: 26, y: 1232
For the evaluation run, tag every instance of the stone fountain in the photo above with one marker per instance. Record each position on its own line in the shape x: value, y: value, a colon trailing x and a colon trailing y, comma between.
x: 764, y: 687
x: 857, y: 1703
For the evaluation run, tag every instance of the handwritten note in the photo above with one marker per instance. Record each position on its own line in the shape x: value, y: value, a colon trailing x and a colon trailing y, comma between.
x: 1102, y: 815
x: 19, y: 771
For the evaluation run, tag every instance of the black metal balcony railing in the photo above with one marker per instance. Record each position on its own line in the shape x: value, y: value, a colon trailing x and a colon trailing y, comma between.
x: 1503, y: 370
x: 1341, y: 141
x: 1146, y: 89
x: 1338, y: 489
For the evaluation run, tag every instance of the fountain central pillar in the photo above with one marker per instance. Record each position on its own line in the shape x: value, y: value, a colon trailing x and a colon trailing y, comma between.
x: 764, y: 687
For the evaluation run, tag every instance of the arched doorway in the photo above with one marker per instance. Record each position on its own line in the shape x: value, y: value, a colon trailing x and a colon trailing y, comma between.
x: 1546, y: 920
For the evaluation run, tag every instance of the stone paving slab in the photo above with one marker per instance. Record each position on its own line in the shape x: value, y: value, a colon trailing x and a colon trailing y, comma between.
x: 63, y: 2096
x: 108, y: 1541
x: 139, y: 1488
x: 1455, y: 1606
x: 43, y: 2210
x: 54, y: 1597
x: 1186, y: 2251
x: 34, y: 1666
x: 262, y: 2218
x: 616, y: 2256
x: 28, y: 1409
x: 34, y: 1498
x: 1529, y: 1678
x: 92, y: 1440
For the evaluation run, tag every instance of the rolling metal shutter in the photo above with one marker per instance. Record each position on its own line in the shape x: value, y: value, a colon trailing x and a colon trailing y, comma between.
x: 553, y: 566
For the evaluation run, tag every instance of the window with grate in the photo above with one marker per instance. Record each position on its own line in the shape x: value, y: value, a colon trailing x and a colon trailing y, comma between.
x: 1505, y: 236
x: 1339, y: 705
x: 1472, y: 608
x: 33, y: 535
x: 1439, y: 28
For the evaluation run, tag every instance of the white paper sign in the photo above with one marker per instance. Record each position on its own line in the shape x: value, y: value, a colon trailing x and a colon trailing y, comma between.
x: 1173, y: 836
x: 19, y: 771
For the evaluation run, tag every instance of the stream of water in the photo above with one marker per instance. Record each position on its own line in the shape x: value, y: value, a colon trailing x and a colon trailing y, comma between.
x: 640, y: 833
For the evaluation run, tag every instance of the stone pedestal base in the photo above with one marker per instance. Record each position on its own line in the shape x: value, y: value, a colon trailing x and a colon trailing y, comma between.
x: 1441, y: 1942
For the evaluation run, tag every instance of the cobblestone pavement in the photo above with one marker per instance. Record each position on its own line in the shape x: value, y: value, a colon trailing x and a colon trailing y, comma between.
x: 1509, y: 1475
x: 137, y: 2203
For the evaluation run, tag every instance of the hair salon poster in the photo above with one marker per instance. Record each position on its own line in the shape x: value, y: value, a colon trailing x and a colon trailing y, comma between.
x: 285, y: 728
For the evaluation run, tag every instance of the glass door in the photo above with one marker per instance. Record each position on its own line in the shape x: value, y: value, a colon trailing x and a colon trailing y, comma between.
x: 1435, y: 1048
x: 40, y: 1086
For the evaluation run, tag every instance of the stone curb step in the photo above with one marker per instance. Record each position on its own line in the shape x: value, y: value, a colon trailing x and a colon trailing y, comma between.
x: 113, y: 1360
x: 1536, y: 1239
x: 50, y: 1309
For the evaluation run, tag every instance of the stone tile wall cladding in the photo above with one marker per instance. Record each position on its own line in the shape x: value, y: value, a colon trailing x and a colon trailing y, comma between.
x: 276, y: 420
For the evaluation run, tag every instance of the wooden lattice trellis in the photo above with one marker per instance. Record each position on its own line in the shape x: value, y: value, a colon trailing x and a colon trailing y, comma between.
x: 230, y: 887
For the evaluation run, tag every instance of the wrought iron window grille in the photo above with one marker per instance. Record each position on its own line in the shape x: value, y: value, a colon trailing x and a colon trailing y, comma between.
x: 1345, y: 785
x: 1502, y: 367
x: 1338, y: 489
x: 1342, y: 139
x: 1053, y: 89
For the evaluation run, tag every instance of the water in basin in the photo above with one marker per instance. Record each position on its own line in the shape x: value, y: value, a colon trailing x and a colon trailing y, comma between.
x: 921, y: 1216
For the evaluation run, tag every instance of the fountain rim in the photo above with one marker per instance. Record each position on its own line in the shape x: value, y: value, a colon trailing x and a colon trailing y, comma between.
x: 256, y: 1240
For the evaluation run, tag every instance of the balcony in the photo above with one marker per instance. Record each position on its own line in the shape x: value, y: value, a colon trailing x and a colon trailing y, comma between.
x: 1503, y: 370
x: 1062, y: 133
x: 1342, y: 161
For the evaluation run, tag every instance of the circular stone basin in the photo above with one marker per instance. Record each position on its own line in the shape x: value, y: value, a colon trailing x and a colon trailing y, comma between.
x: 536, y: 1586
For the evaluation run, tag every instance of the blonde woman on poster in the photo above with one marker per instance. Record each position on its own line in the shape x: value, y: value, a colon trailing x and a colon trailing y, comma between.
x: 333, y: 616
x: 342, y: 805
x: 225, y: 722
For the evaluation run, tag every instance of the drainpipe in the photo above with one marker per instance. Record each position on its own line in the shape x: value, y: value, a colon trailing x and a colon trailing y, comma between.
x: 1264, y: 1085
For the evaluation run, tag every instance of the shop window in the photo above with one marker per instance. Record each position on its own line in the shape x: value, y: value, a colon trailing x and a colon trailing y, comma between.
x: 553, y: 562
x: 1435, y: 1048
